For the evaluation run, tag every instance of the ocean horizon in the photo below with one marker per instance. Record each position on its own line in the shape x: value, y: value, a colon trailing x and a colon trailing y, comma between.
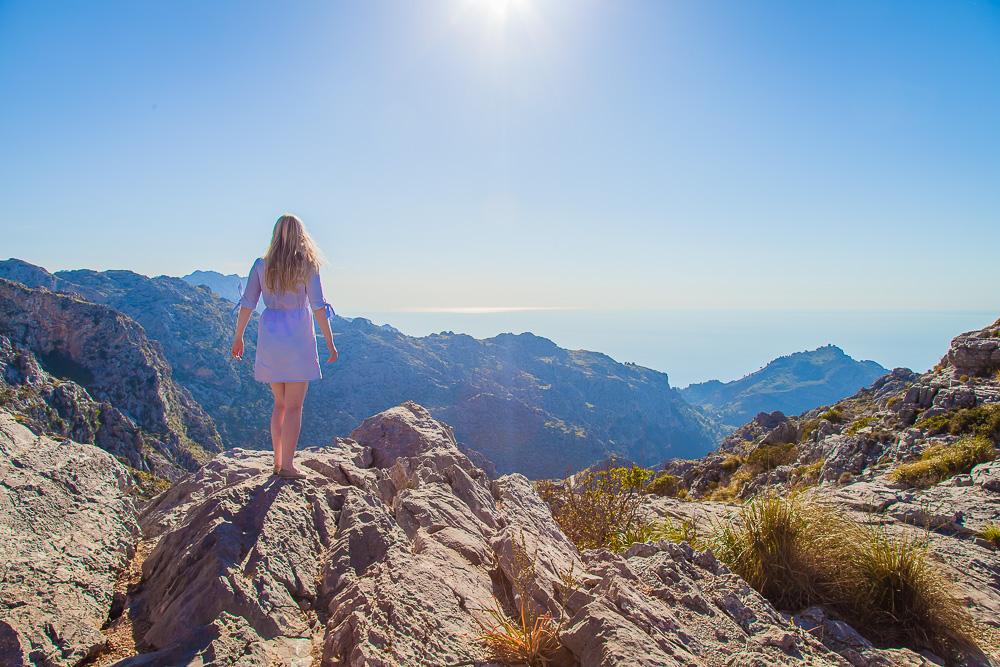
x: 698, y: 345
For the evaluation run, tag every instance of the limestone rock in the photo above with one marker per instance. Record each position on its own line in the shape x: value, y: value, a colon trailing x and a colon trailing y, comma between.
x: 67, y: 528
x: 392, y: 550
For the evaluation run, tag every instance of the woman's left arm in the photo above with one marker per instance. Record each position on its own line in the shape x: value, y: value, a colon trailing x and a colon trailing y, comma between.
x: 323, y: 312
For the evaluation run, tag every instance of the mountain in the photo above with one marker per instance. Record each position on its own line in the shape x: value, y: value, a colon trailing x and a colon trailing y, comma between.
x: 228, y: 286
x: 81, y: 370
x: 521, y: 401
x: 790, y: 384
x: 397, y: 549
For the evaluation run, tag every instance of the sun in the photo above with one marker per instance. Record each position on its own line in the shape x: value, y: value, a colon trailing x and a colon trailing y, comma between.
x: 499, y: 10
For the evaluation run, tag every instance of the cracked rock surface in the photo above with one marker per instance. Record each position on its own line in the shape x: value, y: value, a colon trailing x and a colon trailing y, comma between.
x: 68, y: 523
x: 391, y: 549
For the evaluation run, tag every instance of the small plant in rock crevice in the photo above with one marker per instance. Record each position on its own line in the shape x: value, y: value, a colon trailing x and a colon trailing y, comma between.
x: 527, y: 637
x: 991, y: 533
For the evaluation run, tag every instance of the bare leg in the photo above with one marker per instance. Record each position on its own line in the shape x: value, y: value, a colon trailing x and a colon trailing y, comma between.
x: 295, y: 394
x: 277, y: 416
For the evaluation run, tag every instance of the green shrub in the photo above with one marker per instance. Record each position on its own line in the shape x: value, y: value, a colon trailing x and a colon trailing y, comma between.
x: 764, y: 458
x: 685, y: 530
x: 808, y: 427
x: 834, y: 414
x: 664, y: 484
x: 732, y: 462
x: 982, y: 420
x: 807, y: 474
x: 769, y: 457
x: 893, y: 400
x: 600, y: 508
x: 858, y: 424
x: 991, y: 533
x: 940, y: 462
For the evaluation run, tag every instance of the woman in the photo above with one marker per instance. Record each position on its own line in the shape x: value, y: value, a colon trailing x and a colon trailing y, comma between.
x: 287, y: 355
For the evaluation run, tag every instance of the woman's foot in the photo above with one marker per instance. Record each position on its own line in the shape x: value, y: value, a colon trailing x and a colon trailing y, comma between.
x: 289, y: 473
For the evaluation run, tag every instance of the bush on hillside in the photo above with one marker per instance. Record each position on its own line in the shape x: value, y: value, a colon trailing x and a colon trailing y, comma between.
x: 939, y: 462
x: 599, y: 508
x: 665, y: 484
x: 991, y: 533
x: 762, y: 459
x: 982, y: 420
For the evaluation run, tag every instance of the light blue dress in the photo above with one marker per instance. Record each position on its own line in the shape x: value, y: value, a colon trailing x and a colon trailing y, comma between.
x: 286, y: 336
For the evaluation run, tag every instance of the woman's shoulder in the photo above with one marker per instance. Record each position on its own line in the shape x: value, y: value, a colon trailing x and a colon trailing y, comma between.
x: 257, y: 264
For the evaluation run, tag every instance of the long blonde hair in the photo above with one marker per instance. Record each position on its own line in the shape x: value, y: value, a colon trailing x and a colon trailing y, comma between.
x: 291, y: 257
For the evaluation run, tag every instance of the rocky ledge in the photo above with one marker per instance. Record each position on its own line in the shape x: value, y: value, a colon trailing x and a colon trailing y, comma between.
x: 391, y: 551
x: 67, y: 528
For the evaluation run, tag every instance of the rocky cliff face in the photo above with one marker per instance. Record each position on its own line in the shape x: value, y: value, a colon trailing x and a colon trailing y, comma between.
x: 792, y: 385
x: 863, y: 436
x: 81, y: 370
x: 392, y: 551
x: 67, y: 528
x: 849, y: 455
x: 523, y: 402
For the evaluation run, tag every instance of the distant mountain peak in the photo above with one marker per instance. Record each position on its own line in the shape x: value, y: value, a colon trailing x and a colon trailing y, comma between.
x: 792, y: 384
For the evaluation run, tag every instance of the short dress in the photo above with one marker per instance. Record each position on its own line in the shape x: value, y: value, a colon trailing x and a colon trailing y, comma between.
x: 286, y: 336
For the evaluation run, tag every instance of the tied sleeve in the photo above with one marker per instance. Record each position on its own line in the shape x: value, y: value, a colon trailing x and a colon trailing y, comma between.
x: 314, y: 290
x: 251, y: 294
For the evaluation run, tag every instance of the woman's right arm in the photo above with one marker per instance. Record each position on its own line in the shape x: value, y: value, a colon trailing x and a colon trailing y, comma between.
x: 248, y: 302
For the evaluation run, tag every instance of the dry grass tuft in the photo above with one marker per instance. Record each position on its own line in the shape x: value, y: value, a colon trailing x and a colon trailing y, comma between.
x: 798, y: 553
x: 523, y: 641
x: 940, y: 462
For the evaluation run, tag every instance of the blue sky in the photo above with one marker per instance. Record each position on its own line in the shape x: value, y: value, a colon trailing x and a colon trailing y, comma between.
x: 515, y: 153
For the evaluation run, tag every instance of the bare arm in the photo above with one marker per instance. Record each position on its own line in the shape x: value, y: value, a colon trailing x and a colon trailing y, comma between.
x: 241, y: 327
x: 248, y: 301
x: 322, y: 311
x: 324, y: 327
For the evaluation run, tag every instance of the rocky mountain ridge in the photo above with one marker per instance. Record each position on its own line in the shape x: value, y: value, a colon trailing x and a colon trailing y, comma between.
x: 84, y: 371
x: 521, y: 401
x: 790, y: 384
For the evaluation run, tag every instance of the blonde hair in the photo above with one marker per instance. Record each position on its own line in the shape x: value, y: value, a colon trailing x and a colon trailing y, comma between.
x: 291, y: 257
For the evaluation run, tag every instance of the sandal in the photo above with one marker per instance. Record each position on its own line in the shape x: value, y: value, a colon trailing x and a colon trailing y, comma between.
x: 290, y: 474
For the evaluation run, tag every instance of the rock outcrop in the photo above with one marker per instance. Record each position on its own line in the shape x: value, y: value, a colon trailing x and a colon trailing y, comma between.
x: 392, y: 550
x: 82, y: 370
x: 844, y: 454
x: 68, y: 524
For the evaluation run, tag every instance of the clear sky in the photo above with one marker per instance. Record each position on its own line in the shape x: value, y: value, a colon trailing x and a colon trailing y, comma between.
x: 514, y: 153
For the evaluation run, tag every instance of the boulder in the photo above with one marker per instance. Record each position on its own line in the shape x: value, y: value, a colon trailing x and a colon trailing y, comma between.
x: 68, y: 526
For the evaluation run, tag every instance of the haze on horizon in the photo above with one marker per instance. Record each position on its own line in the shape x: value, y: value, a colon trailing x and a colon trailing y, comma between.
x: 470, y: 155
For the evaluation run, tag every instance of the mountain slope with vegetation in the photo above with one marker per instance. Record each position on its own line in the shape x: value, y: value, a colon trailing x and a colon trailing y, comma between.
x: 893, y: 492
x: 524, y: 403
x: 791, y: 384
x: 85, y: 371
